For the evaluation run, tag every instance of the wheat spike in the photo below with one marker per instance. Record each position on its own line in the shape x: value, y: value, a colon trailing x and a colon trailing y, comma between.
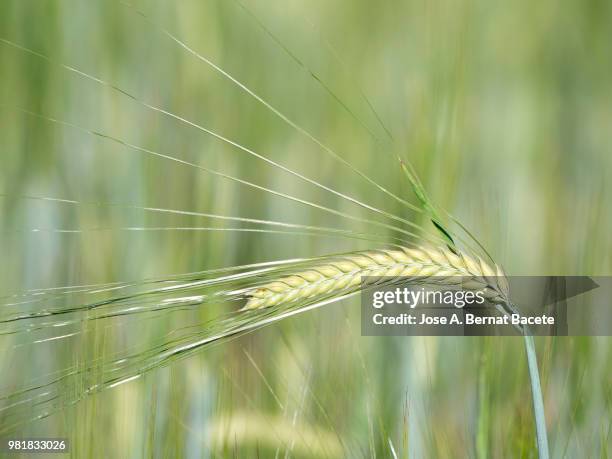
x: 431, y: 265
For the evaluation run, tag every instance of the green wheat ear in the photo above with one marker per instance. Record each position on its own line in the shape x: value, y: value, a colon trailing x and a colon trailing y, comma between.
x: 334, y: 275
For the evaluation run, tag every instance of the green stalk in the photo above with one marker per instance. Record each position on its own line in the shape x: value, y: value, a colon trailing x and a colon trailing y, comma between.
x: 536, y: 394
x: 483, y: 426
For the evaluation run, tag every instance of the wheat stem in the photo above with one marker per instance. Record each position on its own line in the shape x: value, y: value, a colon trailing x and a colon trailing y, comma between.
x: 536, y: 394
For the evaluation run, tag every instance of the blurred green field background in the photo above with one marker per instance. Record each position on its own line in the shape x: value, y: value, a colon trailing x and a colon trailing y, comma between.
x: 504, y: 109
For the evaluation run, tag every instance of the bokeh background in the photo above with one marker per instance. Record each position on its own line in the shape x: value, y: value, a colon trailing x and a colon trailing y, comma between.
x: 505, y: 111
